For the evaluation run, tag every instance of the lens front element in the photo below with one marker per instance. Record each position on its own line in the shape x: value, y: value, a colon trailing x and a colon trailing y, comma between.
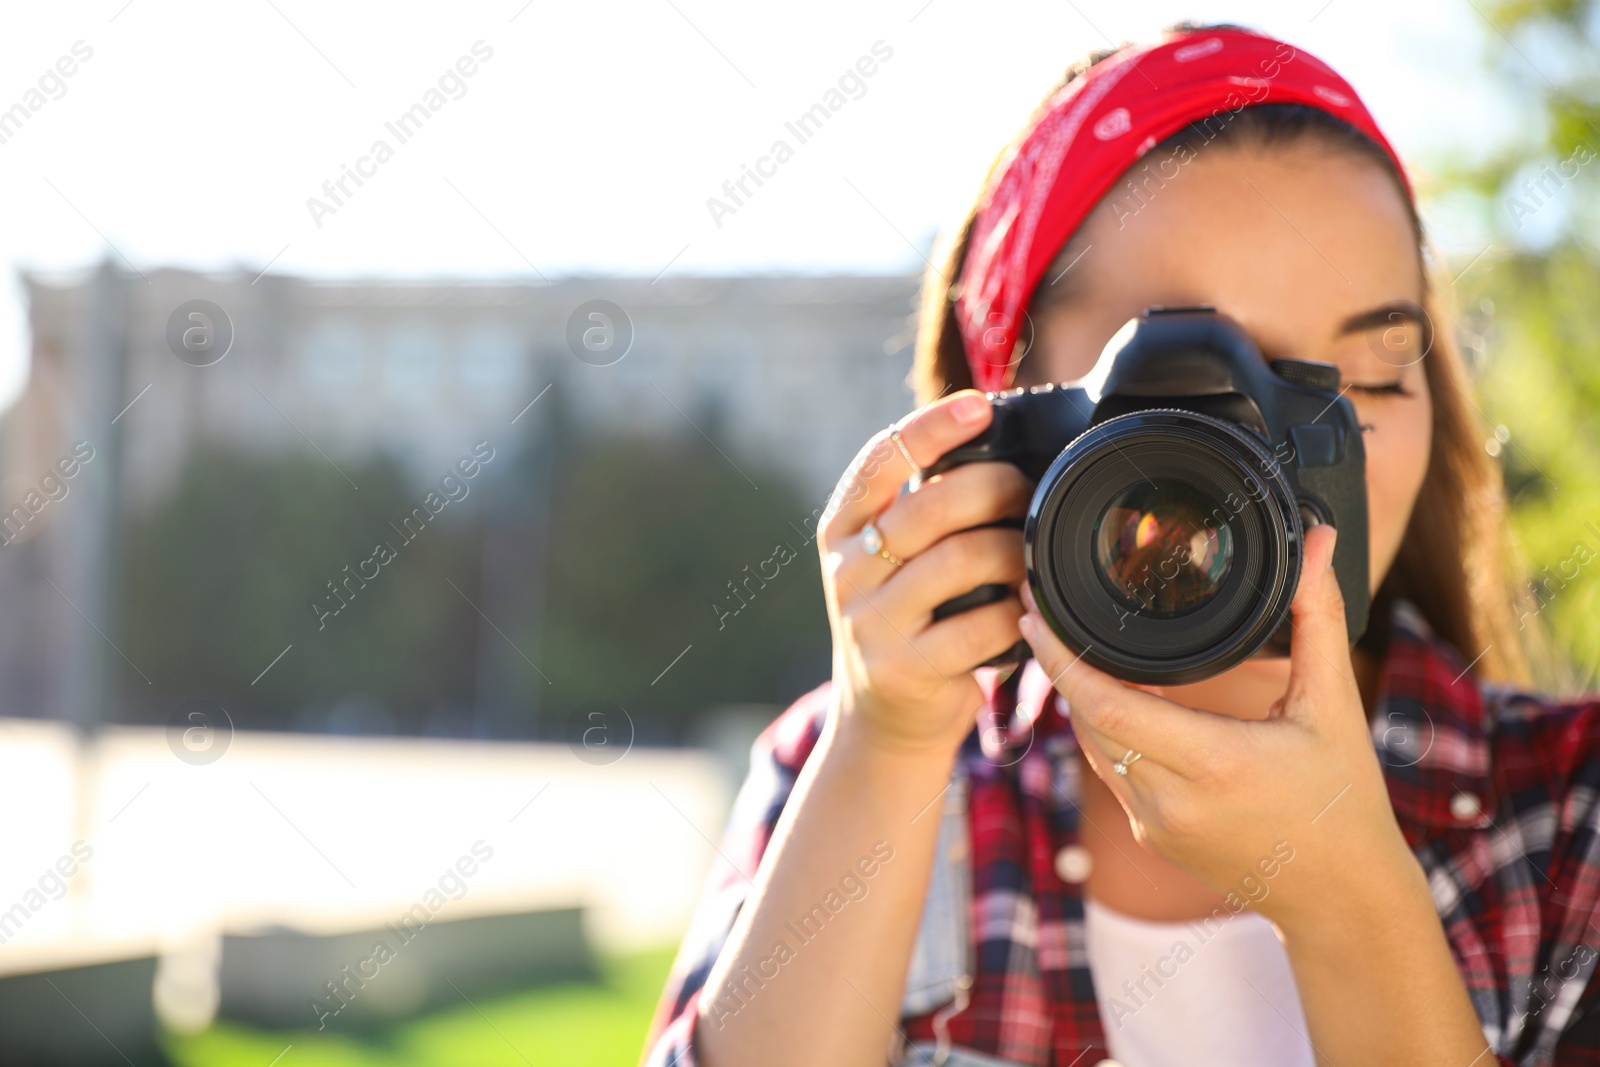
x: 1159, y: 549
x: 1163, y: 545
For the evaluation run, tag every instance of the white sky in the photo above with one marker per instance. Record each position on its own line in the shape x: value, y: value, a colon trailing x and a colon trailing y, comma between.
x: 592, y: 138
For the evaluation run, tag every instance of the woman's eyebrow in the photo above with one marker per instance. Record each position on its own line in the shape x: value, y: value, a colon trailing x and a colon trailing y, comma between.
x: 1394, y: 313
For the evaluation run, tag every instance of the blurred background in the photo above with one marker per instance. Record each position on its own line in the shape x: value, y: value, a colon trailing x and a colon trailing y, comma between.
x: 414, y: 435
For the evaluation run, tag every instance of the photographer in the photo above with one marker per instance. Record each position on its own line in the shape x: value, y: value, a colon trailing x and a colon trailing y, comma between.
x: 1414, y: 829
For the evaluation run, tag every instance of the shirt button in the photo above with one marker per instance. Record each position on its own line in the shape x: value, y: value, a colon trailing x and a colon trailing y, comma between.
x: 1465, y: 806
x: 1073, y: 864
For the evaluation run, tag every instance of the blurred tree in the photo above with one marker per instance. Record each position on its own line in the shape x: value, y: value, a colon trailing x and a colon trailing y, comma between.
x: 221, y: 576
x: 646, y: 537
x: 657, y: 546
x: 1530, y: 311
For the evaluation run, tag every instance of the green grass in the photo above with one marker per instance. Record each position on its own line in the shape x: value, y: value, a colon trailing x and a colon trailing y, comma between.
x: 575, y: 1025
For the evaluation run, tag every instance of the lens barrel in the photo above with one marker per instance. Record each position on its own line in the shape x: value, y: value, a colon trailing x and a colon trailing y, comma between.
x: 1164, y: 546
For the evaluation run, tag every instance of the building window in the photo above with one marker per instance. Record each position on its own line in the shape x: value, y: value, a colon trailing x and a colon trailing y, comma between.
x: 333, y: 357
x: 413, y: 355
x: 492, y: 361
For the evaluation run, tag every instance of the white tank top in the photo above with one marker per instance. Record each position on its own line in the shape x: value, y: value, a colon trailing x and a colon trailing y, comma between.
x: 1209, y: 991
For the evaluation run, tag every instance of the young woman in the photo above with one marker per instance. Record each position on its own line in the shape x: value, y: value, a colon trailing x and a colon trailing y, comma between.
x: 1379, y: 854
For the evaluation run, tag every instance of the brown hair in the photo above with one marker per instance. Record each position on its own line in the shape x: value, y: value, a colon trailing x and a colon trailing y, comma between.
x: 1454, y: 562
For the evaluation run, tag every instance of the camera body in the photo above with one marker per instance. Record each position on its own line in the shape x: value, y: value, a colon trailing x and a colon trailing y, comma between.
x: 1163, y: 542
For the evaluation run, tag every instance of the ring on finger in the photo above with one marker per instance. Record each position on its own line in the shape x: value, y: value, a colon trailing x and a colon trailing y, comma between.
x: 899, y: 442
x: 1127, y: 760
x: 872, y: 544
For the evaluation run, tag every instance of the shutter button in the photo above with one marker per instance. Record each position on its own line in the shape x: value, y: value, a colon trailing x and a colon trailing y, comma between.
x: 1465, y: 806
x: 1073, y: 864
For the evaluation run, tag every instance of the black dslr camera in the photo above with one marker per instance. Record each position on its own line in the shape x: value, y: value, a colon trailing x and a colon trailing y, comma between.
x: 1163, y: 542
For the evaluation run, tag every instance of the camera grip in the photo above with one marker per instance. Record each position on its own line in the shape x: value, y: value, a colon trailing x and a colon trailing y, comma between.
x: 989, y: 593
x: 985, y: 448
x: 1029, y: 429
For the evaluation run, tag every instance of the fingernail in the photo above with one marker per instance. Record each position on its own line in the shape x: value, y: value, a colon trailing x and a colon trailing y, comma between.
x: 970, y: 409
x: 1333, y: 543
x: 1026, y: 624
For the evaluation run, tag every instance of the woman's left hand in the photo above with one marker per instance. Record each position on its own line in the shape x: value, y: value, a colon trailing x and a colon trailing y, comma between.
x: 1219, y: 796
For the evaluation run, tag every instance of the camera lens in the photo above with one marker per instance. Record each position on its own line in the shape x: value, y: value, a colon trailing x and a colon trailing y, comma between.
x: 1163, y: 546
x: 1160, y: 549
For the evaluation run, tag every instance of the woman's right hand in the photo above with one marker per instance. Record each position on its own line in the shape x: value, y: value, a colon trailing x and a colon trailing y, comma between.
x: 901, y: 679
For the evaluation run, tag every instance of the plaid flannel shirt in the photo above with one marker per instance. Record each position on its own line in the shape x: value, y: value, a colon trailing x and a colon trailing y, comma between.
x: 1497, y: 791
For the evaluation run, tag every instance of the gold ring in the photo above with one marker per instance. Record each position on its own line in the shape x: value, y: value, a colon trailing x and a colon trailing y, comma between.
x: 872, y: 543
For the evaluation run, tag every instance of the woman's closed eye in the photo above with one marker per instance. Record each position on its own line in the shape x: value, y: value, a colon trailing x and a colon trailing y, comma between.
x: 1394, y: 388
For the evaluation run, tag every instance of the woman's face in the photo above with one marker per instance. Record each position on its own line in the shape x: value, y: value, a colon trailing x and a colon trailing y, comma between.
x: 1311, y: 251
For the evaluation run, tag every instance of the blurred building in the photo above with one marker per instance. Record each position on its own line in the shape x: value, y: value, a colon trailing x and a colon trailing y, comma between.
x: 799, y: 370
x: 793, y: 371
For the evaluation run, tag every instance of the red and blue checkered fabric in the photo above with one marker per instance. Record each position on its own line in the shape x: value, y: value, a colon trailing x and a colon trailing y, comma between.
x: 1496, y: 789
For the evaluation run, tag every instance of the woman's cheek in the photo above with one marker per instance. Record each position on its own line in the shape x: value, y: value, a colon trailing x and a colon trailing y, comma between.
x: 1397, y: 462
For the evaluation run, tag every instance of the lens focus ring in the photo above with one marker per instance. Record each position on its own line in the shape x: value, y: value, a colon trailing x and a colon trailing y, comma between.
x: 1164, y: 545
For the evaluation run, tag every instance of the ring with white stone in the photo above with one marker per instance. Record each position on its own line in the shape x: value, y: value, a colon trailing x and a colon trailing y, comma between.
x: 872, y: 543
x: 1130, y: 757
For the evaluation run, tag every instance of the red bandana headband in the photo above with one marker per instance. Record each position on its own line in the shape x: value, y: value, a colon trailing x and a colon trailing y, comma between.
x: 1093, y: 130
